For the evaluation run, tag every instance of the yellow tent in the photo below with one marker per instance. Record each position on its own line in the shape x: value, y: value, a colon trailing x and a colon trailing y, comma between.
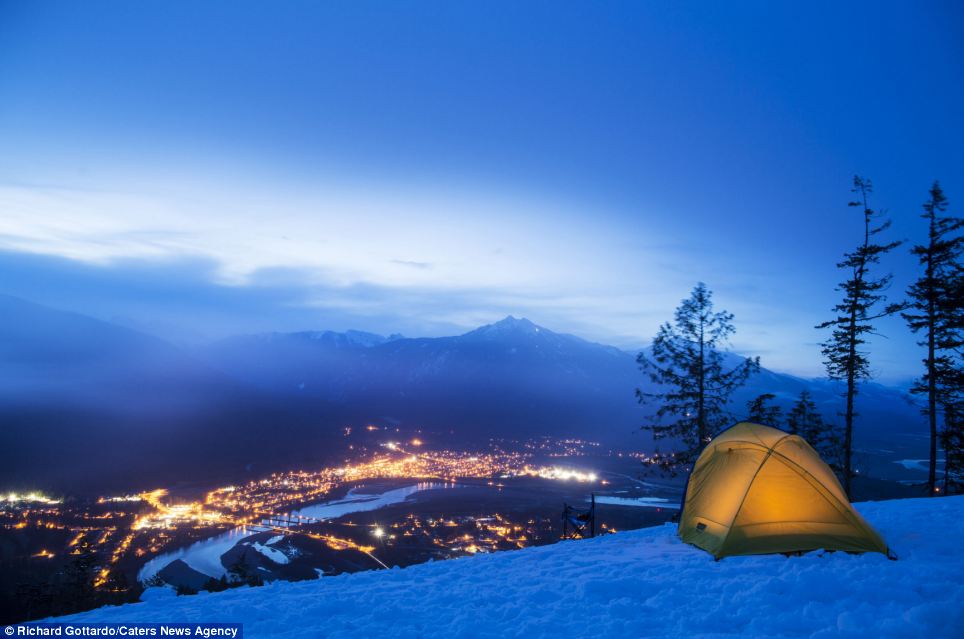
x: 757, y: 490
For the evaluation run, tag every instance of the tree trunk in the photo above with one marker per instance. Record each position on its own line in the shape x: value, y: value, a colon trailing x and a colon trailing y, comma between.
x: 852, y: 357
x: 851, y: 387
x: 701, y: 414
x: 931, y: 366
x: 932, y: 412
x: 849, y: 430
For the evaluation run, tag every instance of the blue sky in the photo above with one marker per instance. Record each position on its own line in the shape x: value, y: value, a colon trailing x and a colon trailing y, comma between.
x: 198, y: 169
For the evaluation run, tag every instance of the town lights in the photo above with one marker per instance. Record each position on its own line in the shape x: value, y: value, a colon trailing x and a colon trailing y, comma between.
x: 563, y: 474
x: 32, y: 497
x: 120, y: 530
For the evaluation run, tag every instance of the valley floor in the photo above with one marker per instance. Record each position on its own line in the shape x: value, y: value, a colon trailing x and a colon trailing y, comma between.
x: 643, y: 583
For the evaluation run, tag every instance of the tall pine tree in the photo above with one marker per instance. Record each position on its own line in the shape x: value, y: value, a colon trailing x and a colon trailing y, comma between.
x: 693, y: 384
x: 938, y: 316
x: 845, y: 357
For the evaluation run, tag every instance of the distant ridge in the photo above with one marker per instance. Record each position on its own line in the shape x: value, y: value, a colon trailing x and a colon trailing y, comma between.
x: 87, y: 394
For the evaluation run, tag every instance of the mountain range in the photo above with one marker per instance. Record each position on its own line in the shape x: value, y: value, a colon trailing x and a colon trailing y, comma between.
x: 87, y: 404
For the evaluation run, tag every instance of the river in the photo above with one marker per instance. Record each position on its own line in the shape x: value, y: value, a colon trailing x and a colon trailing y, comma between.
x: 205, y: 556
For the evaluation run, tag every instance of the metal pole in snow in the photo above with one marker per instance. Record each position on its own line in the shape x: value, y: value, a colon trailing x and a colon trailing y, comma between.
x: 592, y: 529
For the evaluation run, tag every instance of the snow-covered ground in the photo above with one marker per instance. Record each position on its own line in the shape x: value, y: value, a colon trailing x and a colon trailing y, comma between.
x: 642, y: 502
x: 633, y: 584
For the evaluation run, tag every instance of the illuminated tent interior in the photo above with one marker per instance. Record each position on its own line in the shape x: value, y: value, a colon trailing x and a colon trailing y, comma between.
x: 757, y: 490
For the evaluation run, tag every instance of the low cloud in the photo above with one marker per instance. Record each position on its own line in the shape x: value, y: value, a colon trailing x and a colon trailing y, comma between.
x: 413, y: 264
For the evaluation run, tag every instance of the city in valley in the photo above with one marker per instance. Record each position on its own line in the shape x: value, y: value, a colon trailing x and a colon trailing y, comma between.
x: 393, y: 502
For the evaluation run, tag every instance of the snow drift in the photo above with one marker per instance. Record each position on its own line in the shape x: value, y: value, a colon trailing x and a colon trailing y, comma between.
x: 643, y: 583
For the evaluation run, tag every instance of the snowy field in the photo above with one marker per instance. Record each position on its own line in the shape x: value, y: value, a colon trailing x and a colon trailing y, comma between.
x: 643, y: 583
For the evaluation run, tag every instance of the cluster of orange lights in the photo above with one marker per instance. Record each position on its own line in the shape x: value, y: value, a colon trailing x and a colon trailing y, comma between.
x: 146, y: 528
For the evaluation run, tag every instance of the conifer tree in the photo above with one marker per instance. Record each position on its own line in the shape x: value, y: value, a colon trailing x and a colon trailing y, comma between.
x: 845, y: 357
x: 760, y: 412
x: 806, y: 421
x: 693, y: 384
x: 937, y: 315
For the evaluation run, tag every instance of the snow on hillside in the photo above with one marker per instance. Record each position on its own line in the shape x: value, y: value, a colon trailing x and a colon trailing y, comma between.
x: 633, y: 584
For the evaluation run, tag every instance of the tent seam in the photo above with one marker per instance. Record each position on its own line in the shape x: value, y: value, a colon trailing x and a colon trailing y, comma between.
x: 847, y: 512
x: 770, y: 451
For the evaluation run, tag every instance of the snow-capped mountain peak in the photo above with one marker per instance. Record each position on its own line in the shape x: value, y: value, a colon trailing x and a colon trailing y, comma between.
x: 509, y: 326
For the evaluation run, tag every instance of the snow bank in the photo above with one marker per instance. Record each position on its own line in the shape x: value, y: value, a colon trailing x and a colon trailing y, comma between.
x: 158, y: 592
x: 642, y: 502
x: 643, y: 583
